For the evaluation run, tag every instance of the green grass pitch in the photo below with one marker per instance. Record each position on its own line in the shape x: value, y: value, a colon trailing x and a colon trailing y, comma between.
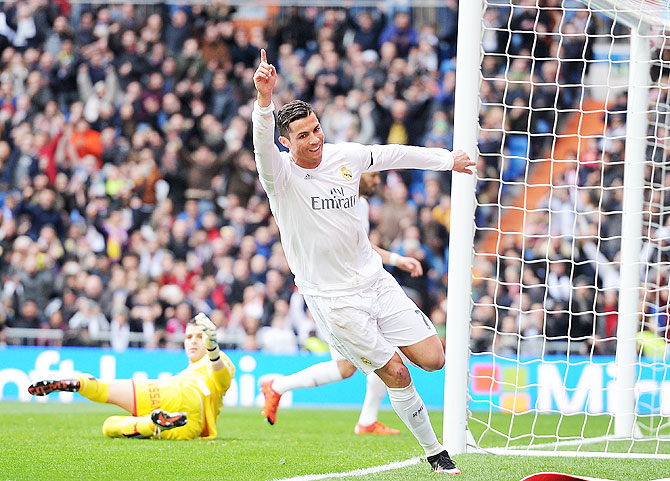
x: 64, y: 441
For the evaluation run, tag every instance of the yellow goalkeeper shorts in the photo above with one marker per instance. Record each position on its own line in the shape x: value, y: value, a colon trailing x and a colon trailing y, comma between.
x: 173, y: 396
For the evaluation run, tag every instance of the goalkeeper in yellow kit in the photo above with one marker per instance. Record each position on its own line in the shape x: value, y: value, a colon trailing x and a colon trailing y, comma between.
x: 182, y: 407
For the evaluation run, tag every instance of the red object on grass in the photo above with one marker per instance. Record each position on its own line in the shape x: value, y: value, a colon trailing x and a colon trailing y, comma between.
x: 559, y: 477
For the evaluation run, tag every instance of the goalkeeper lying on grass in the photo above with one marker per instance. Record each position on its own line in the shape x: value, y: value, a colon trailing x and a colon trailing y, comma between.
x: 181, y: 407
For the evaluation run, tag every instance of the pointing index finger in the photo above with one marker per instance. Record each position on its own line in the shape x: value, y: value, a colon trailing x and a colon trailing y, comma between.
x: 264, y: 56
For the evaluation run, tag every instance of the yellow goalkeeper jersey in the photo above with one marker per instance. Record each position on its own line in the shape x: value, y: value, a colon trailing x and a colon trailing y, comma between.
x: 212, y: 386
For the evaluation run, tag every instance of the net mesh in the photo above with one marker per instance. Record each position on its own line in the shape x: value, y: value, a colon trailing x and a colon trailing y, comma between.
x: 553, y: 107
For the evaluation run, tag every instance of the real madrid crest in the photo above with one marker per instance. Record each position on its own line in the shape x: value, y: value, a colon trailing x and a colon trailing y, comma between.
x: 346, y: 173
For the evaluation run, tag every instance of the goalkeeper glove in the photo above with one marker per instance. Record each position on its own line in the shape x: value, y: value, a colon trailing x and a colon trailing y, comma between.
x: 209, y: 330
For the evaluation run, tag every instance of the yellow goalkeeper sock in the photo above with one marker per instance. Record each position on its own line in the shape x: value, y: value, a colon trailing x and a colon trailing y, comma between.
x: 93, y: 389
x: 128, y: 426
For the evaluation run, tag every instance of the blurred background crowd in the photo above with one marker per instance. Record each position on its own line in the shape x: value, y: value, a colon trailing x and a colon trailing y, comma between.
x: 129, y: 199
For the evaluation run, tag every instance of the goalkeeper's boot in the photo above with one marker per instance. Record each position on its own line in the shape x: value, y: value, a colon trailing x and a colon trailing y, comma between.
x: 443, y: 464
x: 375, y: 428
x: 44, y: 387
x: 272, y: 398
x: 165, y: 420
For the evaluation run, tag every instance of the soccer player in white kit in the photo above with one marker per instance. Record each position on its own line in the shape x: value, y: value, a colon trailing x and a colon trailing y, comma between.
x: 339, y: 368
x: 359, y: 307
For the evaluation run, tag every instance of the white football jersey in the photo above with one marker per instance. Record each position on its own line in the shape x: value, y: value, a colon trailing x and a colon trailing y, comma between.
x: 365, y: 214
x: 317, y: 210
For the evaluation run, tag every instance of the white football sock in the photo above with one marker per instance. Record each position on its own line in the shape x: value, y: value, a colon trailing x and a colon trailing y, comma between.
x: 408, y: 405
x: 316, y: 375
x: 374, y: 393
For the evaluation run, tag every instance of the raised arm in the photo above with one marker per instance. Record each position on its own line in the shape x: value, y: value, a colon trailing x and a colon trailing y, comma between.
x: 385, y: 157
x: 271, y: 170
x: 222, y: 369
x: 265, y: 79
x: 209, y: 331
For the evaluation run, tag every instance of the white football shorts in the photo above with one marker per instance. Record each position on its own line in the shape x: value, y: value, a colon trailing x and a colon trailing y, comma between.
x: 366, y: 327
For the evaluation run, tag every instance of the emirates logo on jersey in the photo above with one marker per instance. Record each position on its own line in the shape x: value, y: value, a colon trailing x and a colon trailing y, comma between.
x: 346, y: 173
x: 339, y: 200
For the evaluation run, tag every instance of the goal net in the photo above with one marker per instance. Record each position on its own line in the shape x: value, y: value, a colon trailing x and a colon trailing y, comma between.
x: 568, y: 343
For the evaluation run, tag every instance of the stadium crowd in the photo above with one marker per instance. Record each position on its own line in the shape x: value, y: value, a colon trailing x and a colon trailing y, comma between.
x: 130, y: 200
x: 557, y: 278
x: 129, y: 197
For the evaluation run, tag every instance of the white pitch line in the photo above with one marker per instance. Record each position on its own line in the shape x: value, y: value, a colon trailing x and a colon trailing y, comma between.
x: 356, y: 472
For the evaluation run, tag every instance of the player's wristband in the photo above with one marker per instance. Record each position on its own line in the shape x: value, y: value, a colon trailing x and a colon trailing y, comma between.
x: 214, y: 354
x: 393, y: 259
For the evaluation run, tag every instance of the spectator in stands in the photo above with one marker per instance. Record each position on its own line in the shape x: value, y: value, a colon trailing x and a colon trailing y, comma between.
x: 55, y: 324
x: 558, y: 281
x: 36, y: 283
x: 278, y: 337
x: 220, y: 96
x: 582, y: 307
x: 366, y: 30
x: 400, y: 33
x: 241, y: 51
x: 28, y: 316
x: 483, y: 322
x: 531, y: 328
x: 395, y: 212
x: 176, y: 31
x: 89, y: 322
x: 293, y: 28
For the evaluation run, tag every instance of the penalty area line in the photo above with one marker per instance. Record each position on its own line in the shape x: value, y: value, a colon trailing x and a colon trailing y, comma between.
x: 356, y: 472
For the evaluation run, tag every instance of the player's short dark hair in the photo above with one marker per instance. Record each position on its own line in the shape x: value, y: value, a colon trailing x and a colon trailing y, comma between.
x: 294, y: 110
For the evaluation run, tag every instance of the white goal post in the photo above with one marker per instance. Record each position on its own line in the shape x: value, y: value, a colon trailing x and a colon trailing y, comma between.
x: 566, y: 107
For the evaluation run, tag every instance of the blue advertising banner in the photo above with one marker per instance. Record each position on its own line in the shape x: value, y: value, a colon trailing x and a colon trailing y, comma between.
x: 563, y: 385
x: 19, y: 366
x: 549, y: 385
